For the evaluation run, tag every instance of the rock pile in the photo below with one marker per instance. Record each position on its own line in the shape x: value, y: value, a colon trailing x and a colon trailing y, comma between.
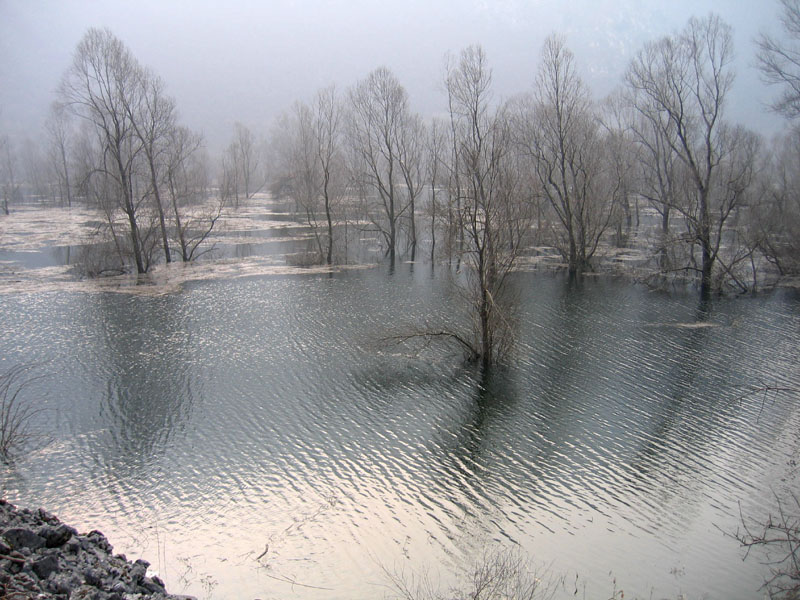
x: 40, y: 557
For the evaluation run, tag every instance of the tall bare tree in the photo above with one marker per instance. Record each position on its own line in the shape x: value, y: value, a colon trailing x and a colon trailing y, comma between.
x: 153, y: 118
x: 382, y: 131
x: 99, y: 86
x: 686, y: 79
x: 775, y: 218
x: 244, y: 159
x: 309, y: 158
x: 8, y: 172
x: 188, y: 190
x: 329, y: 131
x: 559, y: 131
x: 436, y: 176
x: 619, y: 175
x: 60, y: 139
x: 486, y: 178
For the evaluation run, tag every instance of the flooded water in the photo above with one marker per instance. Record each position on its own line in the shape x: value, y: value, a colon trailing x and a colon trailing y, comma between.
x: 255, y: 438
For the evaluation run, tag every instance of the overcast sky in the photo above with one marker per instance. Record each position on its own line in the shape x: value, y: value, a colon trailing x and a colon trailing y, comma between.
x: 249, y: 60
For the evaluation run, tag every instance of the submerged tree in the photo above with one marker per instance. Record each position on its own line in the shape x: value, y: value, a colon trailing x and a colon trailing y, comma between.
x: 385, y: 144
x: 775, y: 218
x: 194, y: 211
x: 100, y: 86
x: 8, y: 170
x: 310, y: 163
x: 483, y: 199
x: 130, y: 150
x: 684, y: 81
x: 153, y: 119
x: 486, y: 178
x: 60, y: 134
x: 559, y: 131
x: 17, y: 413
x: 436, y: 176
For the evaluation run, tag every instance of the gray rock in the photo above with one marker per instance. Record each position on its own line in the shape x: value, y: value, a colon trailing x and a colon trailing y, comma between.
x: 139, y: 570
x: 93, y: 577
x: 120, y: 587
x: 63, y: 583
x: 87, y: 592
x: 46, y: 565
x: 21, y: 537
x: 99, y: 540
x: 72, y: 545
x: 56, y: 536
x: 153, y: 586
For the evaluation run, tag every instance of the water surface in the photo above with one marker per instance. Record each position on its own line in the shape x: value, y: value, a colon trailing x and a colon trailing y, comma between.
x: 264, y: 417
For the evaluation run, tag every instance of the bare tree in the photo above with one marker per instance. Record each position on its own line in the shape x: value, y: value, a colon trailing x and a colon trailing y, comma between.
x: 559, y: 132
x: 618, y: 177
x: 483, y: 180
x: 297, y: 146
x: 385, y: 161
x: 8, y: 170
x: 502, y: 573
x: 487, y: 180
x: 99, y: 86
x: 246, y: 173
x: 411, y: 154
x: 658, y: 162
x: 685, y: 80
x: 775, y: 218
x: 153, y: 119
x: 229, y: 185
x: 436, y: 175
x: 97, y: 189
x: 308, y: 147
x: 329, y: 126
x: 779, y: 60
x: 36, y: 172
x: 188, y: 189
x: 60, y: 134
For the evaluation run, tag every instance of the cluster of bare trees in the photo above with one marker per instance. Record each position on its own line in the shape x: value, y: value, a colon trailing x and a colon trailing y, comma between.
x: 27, y: 170
x: 657, y: 166
x: 130, y: 156
x: 309, y: 164
x: 574, y: 170
x: 243, y: 170
x: 554, y: 167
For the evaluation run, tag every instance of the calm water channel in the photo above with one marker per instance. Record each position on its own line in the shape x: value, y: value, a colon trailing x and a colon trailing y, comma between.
x: 233, y: 419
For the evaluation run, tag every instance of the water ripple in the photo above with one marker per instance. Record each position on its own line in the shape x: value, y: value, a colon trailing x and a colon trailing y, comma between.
x: 208, y: 425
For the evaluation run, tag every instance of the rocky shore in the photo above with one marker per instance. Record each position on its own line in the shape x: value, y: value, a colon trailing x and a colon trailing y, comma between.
x: 40, y: 557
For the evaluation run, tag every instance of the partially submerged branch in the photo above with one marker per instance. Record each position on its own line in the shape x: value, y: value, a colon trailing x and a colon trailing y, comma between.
x: 779, y: 538
x: 427, y: 336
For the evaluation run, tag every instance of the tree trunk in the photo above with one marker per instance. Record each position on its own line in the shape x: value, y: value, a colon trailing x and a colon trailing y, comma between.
x: 329, y: 219
x: 161, y: 220
x: 705, y: 243
x: 130, y: 210
x: 433, y: 223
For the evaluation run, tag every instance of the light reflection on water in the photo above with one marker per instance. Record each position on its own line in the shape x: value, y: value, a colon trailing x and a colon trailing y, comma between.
x: 199, y: 428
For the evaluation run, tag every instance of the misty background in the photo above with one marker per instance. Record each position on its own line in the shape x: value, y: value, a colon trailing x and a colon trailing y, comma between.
x: 247, y: 61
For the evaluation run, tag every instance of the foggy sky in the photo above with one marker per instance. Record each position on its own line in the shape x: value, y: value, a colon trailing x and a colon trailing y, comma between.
x: 249, y: 60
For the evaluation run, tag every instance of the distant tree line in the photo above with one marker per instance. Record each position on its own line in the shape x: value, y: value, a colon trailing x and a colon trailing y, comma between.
x: 553, y: 167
